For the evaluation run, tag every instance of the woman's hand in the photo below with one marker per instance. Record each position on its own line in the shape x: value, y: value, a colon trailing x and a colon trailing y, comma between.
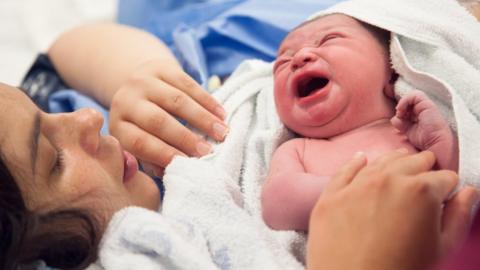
x: 143, y: 115
x: 138, y: 78
x: 390, y: 214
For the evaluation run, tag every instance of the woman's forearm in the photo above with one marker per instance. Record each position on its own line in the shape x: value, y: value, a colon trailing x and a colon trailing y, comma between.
x: 97, y: 59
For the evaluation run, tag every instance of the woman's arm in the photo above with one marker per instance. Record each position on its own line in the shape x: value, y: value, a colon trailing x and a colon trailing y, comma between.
x: 99, y: 58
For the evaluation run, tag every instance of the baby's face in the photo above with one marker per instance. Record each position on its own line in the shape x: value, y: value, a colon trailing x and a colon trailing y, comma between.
x: 330, y: 75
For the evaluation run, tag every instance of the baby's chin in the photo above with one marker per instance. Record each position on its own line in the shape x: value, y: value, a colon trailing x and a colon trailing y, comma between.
x: 309, y: 132
x: 319, y: 132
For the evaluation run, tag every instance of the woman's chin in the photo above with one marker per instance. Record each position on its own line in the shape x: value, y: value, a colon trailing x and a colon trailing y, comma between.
x: 143, y: 191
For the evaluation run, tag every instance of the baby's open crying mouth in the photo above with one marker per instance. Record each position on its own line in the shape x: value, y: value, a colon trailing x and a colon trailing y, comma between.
x: 311, y: 85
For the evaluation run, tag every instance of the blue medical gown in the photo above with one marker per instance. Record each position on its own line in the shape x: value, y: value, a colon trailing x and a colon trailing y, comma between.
x: 211, y: 37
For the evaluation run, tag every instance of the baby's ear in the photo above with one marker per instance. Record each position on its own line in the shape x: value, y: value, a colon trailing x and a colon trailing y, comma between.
x: 389, y: 86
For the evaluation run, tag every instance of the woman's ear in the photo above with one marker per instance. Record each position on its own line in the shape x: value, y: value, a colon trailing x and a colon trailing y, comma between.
x: 389, y: 86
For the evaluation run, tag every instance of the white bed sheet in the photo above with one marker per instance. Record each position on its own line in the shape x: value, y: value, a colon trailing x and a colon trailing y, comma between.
x: 27, y: 27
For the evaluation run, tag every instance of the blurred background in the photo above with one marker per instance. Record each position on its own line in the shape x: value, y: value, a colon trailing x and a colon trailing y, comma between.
x: 27, y: 27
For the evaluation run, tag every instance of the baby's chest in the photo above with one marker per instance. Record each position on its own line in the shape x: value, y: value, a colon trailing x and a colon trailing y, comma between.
x: 326, y: 157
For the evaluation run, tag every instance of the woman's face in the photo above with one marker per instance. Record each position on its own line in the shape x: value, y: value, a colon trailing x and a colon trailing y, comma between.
x: 60, y: 160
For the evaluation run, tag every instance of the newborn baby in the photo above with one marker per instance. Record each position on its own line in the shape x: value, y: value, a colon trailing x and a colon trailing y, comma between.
x: 334, y: 87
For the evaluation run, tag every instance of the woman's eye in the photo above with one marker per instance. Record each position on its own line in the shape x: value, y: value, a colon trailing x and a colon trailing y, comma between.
x: 59, y: 162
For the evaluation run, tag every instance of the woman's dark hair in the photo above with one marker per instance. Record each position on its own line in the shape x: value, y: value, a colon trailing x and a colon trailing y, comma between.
x: 64, y: 238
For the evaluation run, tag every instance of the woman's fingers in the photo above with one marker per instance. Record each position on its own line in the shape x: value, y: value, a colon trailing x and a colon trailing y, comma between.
x: 400, y: 162
x: 392, y: 162
x: 183, y: 106
x: 161, y: 124
x: 440, y: 184
x: 145, y: 114
x: 189, y: 86
x: 388, y: 158
x: 179, y: 79
x: 457, y: 218
x: 346, y: 173
x: 144, y: 145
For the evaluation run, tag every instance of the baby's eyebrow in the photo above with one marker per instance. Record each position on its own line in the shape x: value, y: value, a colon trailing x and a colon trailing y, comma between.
x: 285, y: 52
x: 280, y: 52
x: 281, y: 48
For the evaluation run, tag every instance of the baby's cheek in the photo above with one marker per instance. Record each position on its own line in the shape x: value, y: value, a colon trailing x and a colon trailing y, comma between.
x: 283, y: 105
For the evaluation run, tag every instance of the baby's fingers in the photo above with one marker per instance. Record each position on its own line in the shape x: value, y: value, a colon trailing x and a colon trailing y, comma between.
x: 400, y: 124
x: 412, y: 105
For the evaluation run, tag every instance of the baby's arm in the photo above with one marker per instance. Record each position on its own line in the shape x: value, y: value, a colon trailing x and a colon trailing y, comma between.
x: 289, y: 193
x: 422, y: 122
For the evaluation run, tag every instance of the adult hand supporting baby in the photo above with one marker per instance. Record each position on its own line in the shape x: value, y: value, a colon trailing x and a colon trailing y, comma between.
x: 143, y: 111
x: 388, y: 215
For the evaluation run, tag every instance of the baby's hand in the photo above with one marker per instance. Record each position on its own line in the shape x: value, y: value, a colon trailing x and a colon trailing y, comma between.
x: 426, y: 129
x: 143, y: 111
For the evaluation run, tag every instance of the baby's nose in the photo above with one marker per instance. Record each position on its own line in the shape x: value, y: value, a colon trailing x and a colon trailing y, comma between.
x: 302, y: 57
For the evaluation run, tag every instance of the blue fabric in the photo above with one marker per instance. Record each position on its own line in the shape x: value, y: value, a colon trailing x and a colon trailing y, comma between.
x: 211, y: 37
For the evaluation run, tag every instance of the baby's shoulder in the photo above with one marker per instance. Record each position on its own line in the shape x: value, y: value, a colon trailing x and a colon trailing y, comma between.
x: 300, y: 146
x: 304, y: 143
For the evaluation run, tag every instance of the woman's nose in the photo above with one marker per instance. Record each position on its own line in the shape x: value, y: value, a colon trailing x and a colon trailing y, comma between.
x: 302, y: 57
x: 89, y: 122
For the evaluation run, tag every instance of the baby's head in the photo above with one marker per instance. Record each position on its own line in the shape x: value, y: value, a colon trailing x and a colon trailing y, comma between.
x: 333, y: 74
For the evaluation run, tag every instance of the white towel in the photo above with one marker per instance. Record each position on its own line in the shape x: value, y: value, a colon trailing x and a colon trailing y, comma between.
x: 435, y: 48
x: 215, y: 200
x: 220, y: 193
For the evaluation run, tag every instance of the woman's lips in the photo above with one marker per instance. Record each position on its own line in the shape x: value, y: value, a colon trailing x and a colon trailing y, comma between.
x: 130, y: 166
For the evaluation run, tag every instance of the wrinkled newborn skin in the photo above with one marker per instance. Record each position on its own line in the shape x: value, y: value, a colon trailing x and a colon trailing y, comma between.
x: 333, y: 87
